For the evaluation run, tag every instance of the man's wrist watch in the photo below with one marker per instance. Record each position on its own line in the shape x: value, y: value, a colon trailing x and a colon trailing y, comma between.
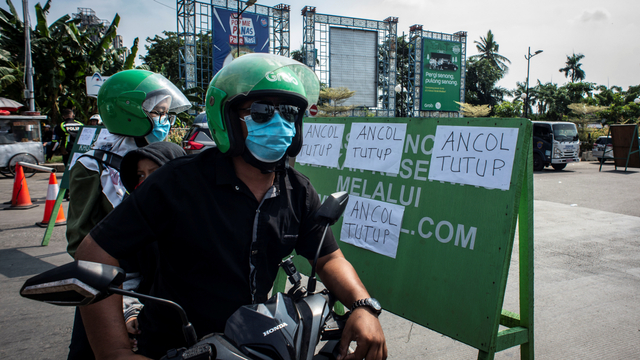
x: 371, y: 303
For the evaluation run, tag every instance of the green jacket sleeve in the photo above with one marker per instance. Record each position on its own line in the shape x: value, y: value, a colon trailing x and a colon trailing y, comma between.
x: 87, y: 205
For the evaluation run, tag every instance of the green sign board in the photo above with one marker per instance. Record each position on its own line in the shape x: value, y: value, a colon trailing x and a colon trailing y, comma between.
x: 432, y: 212
x: 441, y: 64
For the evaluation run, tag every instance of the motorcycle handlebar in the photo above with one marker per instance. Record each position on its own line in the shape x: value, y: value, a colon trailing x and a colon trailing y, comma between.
x: 187, y: 329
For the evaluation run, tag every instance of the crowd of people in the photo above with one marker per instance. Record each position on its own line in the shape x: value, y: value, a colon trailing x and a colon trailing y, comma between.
x: 247, y: 208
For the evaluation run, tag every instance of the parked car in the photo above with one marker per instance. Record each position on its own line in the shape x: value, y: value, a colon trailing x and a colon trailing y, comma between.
x: 20, y: 140
x: 603, y: 145
x: 447, y: 65
x: 198, y: 137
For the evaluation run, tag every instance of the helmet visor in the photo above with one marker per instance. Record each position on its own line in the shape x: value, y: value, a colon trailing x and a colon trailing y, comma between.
x: 161, y: 90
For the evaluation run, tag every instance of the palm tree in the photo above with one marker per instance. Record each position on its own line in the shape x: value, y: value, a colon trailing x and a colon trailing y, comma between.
x: 520, y: 90
x: 480, y: 84
x: 488, y: 49
x: 573, y: 67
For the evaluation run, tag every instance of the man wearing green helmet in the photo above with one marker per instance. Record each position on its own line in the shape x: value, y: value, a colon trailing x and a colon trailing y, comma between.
x: 246, y: 210
x: 134, y: 106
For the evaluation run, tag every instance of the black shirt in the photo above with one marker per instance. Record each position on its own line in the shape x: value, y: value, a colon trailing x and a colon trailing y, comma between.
x: 67, y: 132
x: 71, y: 128
x: 47, y: 135
x: 219, y: 247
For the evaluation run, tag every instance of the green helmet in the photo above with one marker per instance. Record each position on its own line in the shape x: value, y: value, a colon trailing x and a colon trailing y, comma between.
x: 256, y: 76
x: 126, y: 98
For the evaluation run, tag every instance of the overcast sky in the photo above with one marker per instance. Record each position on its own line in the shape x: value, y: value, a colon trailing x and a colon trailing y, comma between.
x: 606, y: 32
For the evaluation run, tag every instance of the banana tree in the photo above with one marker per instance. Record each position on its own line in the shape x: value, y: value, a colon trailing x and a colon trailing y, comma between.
x: 63, y: 56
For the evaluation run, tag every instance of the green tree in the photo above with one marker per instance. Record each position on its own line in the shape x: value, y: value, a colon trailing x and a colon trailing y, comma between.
x: 508, y: 109
x: 621, y: 107
x: 298, y: 55
x: 481, y: 81
x: 63, y: 55
x: 520, y: 91
x: 606, y: 96
x: 488, y: 49
x: 579, y: 91
x: 162, y: 55
x: 573, y: 68
x: 11, y: 74
x: 552, y: 101
x: 404, y: 48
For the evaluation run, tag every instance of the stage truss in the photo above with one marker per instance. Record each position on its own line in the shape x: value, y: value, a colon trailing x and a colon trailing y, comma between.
x: 195, y: 21
x: 415, y: 70
x: 316, y: 44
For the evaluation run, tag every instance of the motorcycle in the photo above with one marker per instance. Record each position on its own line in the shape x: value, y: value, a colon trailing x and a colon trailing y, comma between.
x: 286, y: 327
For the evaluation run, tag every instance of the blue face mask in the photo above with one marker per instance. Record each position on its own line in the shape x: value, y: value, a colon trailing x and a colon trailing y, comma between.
x: 159, y: 132
x: 269, y: 141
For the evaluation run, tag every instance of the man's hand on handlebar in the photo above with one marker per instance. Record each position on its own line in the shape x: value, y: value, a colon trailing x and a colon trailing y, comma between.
x: 133, y: 330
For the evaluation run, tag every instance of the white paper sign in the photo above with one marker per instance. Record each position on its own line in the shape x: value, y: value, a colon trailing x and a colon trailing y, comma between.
x: 373, y: 225
x: 321, y: 144
x: 94, y: 83
x: 481, y: 156
x: 375, y: 146
x: 86, y: 136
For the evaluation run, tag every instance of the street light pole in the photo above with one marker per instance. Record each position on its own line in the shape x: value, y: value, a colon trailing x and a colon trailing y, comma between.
x: 28, y: 69
x: 526, y: 100
x: 249, y: 3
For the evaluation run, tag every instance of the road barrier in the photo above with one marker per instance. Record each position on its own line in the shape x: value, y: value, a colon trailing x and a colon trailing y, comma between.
x: 37, y: 167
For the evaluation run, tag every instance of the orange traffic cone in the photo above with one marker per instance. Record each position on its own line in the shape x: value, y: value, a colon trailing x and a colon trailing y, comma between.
x: 20, y: 200
x: 52, y: 193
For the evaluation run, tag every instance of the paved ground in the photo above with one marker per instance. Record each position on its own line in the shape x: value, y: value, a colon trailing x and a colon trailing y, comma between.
x: 587, y: 275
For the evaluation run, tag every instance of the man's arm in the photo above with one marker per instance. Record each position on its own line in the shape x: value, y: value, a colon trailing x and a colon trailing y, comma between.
x: 103, y: 321
x: 363, y: 326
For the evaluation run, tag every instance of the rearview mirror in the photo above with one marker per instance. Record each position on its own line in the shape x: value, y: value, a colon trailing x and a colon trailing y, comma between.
x: 331, y: 209
x: 75, y: 284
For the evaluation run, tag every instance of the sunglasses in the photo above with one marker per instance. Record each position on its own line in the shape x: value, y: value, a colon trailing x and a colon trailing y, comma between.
x: 165, y: 118
x: 263, y: 111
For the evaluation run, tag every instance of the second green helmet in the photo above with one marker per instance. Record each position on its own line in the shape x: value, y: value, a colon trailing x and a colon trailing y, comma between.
x: 126, y: 98
x: 254, y: 76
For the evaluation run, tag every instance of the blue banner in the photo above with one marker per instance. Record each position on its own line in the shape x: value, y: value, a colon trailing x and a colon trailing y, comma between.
x: 251, y: 31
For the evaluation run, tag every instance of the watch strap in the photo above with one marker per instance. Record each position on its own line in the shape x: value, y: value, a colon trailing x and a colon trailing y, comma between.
x: 368, y: 302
